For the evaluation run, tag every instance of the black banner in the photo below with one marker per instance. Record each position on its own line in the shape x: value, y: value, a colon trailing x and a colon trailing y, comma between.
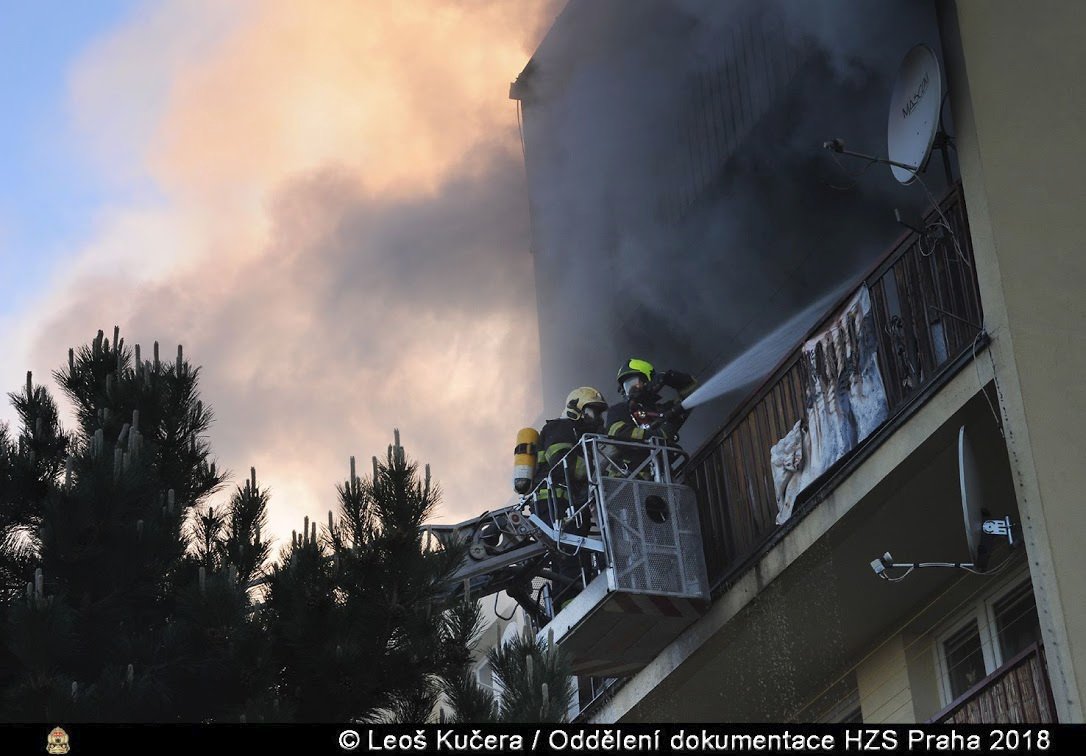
x: 64, y: 738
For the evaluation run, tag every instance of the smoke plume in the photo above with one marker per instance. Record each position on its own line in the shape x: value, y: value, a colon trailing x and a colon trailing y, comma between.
x: 683, y: 204
x: 325, y: 204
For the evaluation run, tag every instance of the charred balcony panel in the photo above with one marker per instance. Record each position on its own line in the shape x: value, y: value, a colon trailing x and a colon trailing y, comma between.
x: 926, y: 316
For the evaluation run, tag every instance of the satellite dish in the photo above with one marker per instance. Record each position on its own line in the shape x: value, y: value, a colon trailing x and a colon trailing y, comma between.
x: 972, y: 513
x: 972, y: 502
x: 914, y: 112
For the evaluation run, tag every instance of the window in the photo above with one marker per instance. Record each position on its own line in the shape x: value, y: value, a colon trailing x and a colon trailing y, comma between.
x: 1017, y: 626
x: 484, y: 675
x: 964, y: 659
x: 986, y: 635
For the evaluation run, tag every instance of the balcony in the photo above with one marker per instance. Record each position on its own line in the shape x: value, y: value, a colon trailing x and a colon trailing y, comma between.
x: 927, y: 318
x: 924, y: 326
x: 1016, y: 693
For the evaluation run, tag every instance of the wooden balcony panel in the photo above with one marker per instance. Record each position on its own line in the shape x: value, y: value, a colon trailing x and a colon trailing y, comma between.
x: 911, y: 289
x: 1016, y: 693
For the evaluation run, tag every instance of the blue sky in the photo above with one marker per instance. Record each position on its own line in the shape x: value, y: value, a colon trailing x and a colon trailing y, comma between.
x: 49, y: 193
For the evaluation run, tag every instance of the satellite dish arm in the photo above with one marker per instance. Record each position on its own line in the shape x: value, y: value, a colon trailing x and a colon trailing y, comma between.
x: 838, y: 146
x: 1001, y: 528
x: 944, y: 142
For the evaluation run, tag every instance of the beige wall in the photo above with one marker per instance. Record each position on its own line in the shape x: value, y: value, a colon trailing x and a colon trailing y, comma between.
x: 1020, y: 113
x: 883, y: 681
x: 923, y: 676
x: 898, y: 682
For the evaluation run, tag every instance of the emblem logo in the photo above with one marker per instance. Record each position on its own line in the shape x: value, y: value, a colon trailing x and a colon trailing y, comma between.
x: 57, y: 742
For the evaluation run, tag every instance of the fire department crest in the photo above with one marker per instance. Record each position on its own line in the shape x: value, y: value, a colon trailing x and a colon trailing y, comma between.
x: 57, y: 742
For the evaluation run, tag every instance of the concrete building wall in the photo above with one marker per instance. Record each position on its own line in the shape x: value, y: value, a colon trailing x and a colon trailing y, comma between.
x: 1019, y: 108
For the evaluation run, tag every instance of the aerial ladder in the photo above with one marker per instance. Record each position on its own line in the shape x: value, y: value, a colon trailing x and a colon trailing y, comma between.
x: 614, y: 568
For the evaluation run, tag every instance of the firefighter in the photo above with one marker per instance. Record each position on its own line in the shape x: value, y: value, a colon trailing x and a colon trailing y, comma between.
x: 583, y: 413
x: 564, y: 489
x: 644, y: 414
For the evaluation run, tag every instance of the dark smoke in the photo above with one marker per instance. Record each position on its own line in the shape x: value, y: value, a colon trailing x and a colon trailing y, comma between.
x: 683, y: 205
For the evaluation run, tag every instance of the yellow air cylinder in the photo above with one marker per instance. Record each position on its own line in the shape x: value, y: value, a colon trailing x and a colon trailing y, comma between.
x: 524, y: 459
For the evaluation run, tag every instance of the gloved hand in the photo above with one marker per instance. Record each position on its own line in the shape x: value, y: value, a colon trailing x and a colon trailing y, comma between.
x: 677, y: 380
x: 670, y: 432
x: 676, y: 415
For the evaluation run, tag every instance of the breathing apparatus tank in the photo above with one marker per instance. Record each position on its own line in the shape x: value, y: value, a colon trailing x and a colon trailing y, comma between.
x: 525, y: 455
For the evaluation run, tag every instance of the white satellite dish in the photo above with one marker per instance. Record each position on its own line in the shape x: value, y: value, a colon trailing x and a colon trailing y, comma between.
x: 972, y: 513
x: 972, y: 501
x: 914, y: 113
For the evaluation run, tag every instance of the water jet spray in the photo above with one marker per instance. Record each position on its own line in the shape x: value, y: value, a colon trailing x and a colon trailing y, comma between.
x: 760, y: 358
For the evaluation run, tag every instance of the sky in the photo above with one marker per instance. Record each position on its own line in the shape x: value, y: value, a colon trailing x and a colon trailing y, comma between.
x: 323, y: 202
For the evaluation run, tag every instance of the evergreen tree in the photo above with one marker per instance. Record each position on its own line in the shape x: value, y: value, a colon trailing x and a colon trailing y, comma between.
x: 354, y: 615
x: 117, y: 618
x: 29, y: 464
x: 125, y: 597
x: 468, y: 701
x: 216, y: 637
x: 534, y: 678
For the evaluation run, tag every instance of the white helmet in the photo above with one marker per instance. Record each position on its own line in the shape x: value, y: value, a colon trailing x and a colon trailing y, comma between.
x: 585, y: 401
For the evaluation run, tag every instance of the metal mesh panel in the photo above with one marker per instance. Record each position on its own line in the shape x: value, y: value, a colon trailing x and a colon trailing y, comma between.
x: 653, y: 538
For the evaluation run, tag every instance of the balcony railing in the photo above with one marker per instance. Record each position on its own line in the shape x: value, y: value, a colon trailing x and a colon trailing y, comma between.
x: 926, y: 311
x: 1016, y: 693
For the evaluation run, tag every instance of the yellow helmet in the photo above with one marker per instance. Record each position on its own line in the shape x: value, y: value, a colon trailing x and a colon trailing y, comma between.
x: 582, y: 399
x: 634, y: 367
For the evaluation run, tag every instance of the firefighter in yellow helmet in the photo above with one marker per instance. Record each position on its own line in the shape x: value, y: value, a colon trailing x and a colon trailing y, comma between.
x: 583, y: 413
x: 564, y: 490
x: 644, y: 413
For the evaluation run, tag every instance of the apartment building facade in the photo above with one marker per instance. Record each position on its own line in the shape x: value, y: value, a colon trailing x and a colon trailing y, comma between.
x: 685, y: 211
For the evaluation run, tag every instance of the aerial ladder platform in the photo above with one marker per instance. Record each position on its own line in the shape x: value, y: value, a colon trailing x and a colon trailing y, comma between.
x: 615, y: 568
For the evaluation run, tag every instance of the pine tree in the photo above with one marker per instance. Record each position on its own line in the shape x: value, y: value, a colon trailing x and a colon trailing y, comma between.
x: 124, y: 596
x: 215, y: 636
x: 29, y: 464
x: 119, y: 621
x: 354, y: 614
x: 467, y: 700
x: 534, y: 678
